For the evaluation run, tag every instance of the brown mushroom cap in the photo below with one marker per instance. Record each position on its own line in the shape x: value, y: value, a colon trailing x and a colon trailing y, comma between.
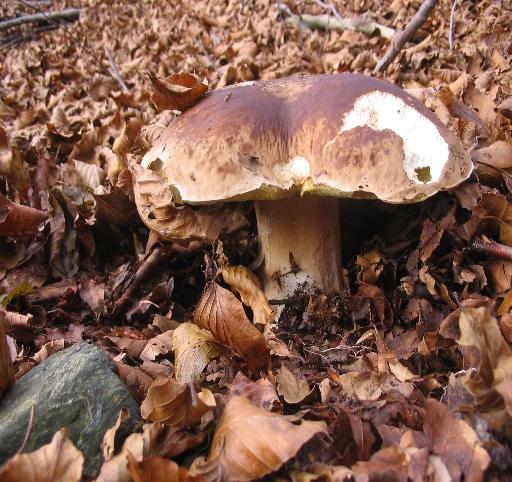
x: 344, y: 135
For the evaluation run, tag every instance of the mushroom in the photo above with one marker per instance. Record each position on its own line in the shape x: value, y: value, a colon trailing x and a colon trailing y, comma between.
x: 296, y: 145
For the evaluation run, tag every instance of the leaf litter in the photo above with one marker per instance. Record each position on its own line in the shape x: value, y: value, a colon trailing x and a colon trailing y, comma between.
x: 403, y: 375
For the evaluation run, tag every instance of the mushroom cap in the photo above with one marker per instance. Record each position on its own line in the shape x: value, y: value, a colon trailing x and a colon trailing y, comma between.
x: 345, y: 135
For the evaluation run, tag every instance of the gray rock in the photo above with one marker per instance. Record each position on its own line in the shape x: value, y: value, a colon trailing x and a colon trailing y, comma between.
x: 76, y: 388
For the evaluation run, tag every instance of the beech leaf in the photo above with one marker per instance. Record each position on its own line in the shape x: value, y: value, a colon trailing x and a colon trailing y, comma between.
x: 158, y: 469
x: 174, y: 403
x: 222, y: 313
x: 18, y: 221
x: 291, y: 388
x: 58, y: 461
x: 251, y: 442
x: 178, y: 91
x: 249, y: 289
x: 193, y: 348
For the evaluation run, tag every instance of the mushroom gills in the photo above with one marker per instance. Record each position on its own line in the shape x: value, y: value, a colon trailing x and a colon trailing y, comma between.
x: 308, y: 227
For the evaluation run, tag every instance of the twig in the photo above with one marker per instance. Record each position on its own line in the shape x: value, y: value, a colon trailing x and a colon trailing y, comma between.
x: 326, y: 22
x: 491, y: 248
x: 114, y: 71
x: 69, y: 14
x: 452, y: 24
x: 28, y: 432
x: 400, y: 38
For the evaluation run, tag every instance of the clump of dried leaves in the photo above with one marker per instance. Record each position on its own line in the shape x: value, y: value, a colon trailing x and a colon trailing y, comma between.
x: 405, y: 375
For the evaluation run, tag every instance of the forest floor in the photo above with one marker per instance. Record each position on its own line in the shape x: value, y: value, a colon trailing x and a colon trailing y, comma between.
x: 406, y: 374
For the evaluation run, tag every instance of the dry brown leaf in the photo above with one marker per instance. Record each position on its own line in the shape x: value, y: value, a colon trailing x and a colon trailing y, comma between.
x: 498, y: 154
x: 6, y: 365
x: 249, y: 288
x: 158, y: 469
x: 250, y: 442
x: 19, y: 221
x: 108, y: 444
x: 58, y: 461
x: 116, y: 469
x: 260, y: 393
x: 137, y: 381
x: 49, y: 349
x: 175, y: 403
x: 291, y: 388
x: 159, y: 345
x: 193, y: 347
x: 177, y: 92
x: 220, y: 312
x: 455, y: 442
x: 169, y: 442
x: 491, y: 384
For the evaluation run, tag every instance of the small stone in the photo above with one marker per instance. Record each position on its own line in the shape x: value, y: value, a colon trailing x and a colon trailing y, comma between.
x: 75, y: 388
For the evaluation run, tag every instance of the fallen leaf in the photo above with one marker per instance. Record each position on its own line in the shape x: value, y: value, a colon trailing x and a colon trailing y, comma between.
x: 137, y: 381
x: 251, y: 442
x: 249, y: 289
x: 491, y: 383
x: 455, y: 442
x: 108, y: 444
x: 177, y: 92
x: 159, y: 345
x: 18, y: 221
x: 175, y: 403
x: 193, y: 347
x: 48, y: 349
x: 116, y: 469
x: 158, y: 469
x: 170, y: 441
x: 291, y: 388
x: 6, y: 365
x: 58, y: 461
x: 220, y: 312
x: 260, y: 393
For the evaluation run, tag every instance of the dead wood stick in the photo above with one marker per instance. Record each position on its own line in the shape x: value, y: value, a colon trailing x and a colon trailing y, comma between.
x: 491, y: 248
x: 326, y: 22
x: 452, y: 24
x: 69, y: 14
x: 114, y: 71
x: 400, y: 38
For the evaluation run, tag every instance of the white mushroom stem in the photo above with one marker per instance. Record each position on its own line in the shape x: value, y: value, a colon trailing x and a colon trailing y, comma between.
x: 309, y: 228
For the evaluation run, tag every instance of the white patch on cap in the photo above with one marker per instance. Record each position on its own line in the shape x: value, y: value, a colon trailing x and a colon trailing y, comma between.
x: 425, y: 150
x: 296, y: 171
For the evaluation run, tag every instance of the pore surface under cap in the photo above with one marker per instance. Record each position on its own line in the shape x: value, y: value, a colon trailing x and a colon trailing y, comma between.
x: 341, y: 135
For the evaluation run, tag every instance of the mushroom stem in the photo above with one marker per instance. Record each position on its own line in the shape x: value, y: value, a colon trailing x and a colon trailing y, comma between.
x: 309, y: 228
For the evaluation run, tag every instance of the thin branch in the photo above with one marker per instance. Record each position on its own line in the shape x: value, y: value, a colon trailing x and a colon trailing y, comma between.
x: 491, y: 248
x: 326, y: 22
x: 114, y: 71
x: 400, y: 38
x: 452, y: 24
x: 69, y: 14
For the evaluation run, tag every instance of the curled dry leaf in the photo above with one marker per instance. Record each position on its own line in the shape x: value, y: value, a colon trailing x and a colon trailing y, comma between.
x: 116, y: 469
x: 249, y: 289
x: 49, y: 349
x: 159, y: 345
x: 250, y: 442
x: 291, y: 388
x: 220, y: 312
x: 58, y: 461
x: 177, y: 92
x: 260, y: 393
x: 137, y: 381
x: 455, y: 442
x: 491, y: 384
x: 6, y: 366
x: 169, y: 442
x: 108, y: 444
x: 18, y: 221
x: 193, y: 348
x: 158, y: 469
x: 176, y: 403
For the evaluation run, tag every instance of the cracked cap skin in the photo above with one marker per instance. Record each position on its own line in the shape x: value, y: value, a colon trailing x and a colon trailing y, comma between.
x: 343, y: 135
